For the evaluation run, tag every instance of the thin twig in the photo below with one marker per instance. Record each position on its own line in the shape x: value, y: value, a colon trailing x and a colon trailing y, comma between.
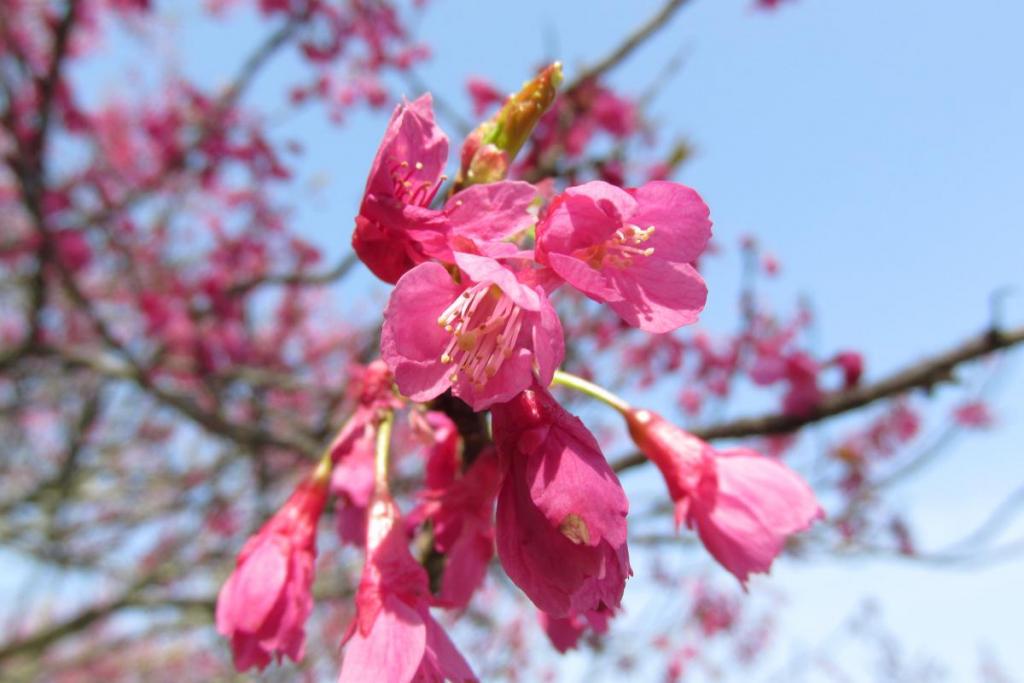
x: 631, y: 43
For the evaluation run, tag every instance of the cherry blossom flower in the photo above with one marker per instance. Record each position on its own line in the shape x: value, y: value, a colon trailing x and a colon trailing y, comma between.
x: 396, y: 229
x: 265, y: 602
x: 484, y: 337
x: 743, y: 505
x: 394, y: 638
x: 561, y: 518
x: 631, y: 249
x: 353, y: 449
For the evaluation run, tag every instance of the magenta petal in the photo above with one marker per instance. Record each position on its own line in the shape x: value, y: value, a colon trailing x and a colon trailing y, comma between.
x: 411, y: 340
x: 466, y: 567
x: 254, y: 590
x: 595, y: 284
x: 492, y: 211
x: 574, y: 479
x: 561, y: 519
x: 574, y: 221
x: 391, y: 651
x: 514, y: 375
x: 759, y: 502
x: 613, y: 201
x: 486, y: 269
x: 548, y: 342
x: 680, y: 217
x: 563, y: 632
x: 658, y: 296
x: 412, y: 137
x: 442, y: 661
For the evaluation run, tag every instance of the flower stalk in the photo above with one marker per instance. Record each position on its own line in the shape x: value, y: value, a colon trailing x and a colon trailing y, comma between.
x: 382, y: 456
x: 577, y: 383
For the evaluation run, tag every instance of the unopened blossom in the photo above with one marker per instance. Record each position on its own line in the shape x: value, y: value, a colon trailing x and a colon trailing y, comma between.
x: 265, y: 602
x: 484, y: 336
x: 743, y: 505
x: 561, y: 518
x: 394, y: 638
x: 396, y: 228
x: 630, y: 249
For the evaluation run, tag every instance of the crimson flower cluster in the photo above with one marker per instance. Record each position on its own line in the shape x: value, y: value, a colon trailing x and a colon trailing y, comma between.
x: 471, y: 313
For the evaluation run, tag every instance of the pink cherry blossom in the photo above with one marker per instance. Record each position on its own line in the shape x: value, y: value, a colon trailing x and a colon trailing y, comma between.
x: 561, y: 519
x: 631, y: 249
x: 484, y: 336
x: 404, y: 177
x: 743, y: 505
x: 396, y: 228
x: 352, y: 450
x: 394, y: 638
x: 265, y: 602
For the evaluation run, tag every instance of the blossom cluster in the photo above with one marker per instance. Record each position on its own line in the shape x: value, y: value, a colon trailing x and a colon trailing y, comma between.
x: 472, y: 313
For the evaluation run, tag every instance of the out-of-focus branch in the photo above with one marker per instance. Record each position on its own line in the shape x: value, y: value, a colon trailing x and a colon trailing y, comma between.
x: 61, y: 34
x: 627, y: 46
x: 925, y: 374
x: 326, y: 277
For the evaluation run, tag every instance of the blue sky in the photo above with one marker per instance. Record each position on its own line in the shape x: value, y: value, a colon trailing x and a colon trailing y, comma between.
x: 874, y: 146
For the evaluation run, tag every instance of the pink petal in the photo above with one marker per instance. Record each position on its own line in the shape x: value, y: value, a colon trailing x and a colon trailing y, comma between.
x: 486, y: 269
x: 492, y: 211
x: 254, y: 589
x: 759, y: 502
x: 392, y: 651
x: 680, y: 217
x: 442, y: 661
x: 411, y: 339
x: 658, y: 296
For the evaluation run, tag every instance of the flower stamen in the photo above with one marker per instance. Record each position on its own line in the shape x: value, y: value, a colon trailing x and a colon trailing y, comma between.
x: 484, y: 325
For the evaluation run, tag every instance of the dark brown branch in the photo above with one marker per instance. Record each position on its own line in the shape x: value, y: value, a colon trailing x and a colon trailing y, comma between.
x: 925, y: 374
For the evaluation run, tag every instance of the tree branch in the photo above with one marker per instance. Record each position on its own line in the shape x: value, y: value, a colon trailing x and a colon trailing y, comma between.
x: 922, y: 375
x: 631, y: 43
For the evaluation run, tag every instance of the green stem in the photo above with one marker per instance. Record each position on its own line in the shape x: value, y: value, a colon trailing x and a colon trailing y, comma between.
x: 566, y: 379
x: 382, y: 456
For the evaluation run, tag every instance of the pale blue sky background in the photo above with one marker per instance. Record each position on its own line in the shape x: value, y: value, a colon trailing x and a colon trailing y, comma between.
x: 874, y: 146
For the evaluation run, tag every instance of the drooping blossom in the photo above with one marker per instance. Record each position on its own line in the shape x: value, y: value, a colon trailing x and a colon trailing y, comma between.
x: 743, y: 505
x: 565, y: 632
x: 265, y: 602
x: 460, y: 508
x: 561, y: 518
x: 483, y: 336
x: 353, y: 449
x: 631, y: 249
x: 396, y: 228
x: 394, y: 638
